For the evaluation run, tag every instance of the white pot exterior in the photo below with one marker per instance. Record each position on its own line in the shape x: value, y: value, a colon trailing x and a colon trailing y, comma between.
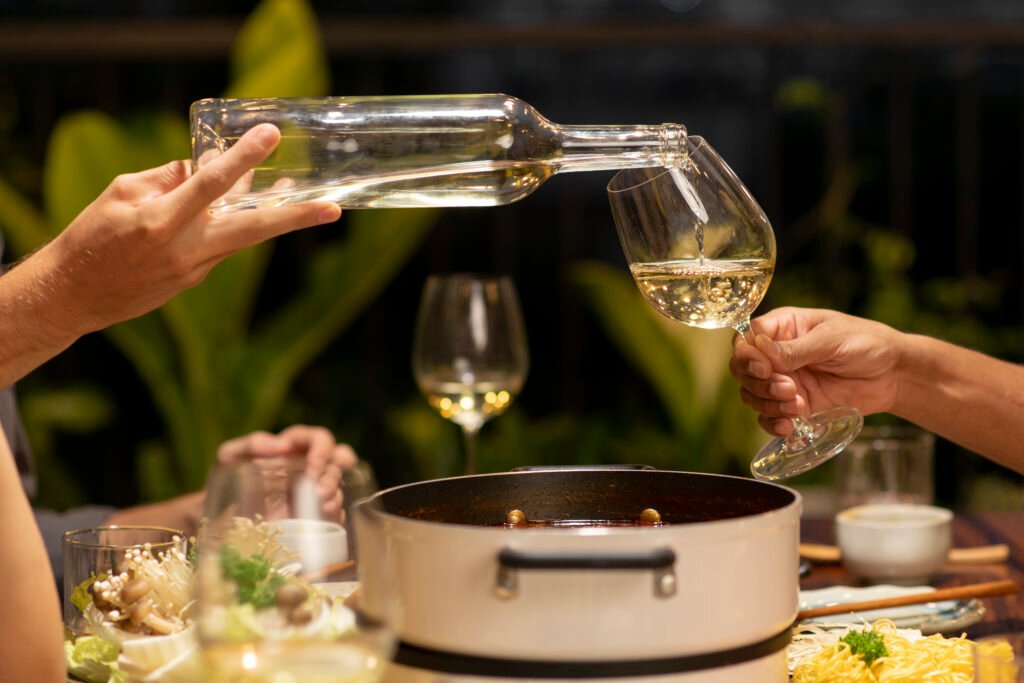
x: 737, y: 585
x: 770, y: 669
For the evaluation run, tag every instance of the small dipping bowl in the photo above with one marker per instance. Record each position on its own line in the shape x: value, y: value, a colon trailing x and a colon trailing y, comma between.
x: 318, y: 545
x: 902, y: 544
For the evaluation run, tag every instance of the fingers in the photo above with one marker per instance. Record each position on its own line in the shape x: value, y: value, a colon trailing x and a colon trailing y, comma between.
x: 233, y: 231
x: 165, y: 178
x: 256, y: 444
x: 326, y: 459
x: 749, y: 361
x: 218, y: 176
x: 138, y: 188
x: 770, y: 407
x: 775, y: 426
x: 813, y: 347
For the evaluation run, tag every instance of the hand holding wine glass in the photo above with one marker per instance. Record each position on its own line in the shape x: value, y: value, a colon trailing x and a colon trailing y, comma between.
x: 470, y: 357
x: 702, y: 252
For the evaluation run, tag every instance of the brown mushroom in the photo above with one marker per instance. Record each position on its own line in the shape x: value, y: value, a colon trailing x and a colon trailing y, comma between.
x: 158, y: 624
x: 300, y: 615
x: 290, y: 596
x: 134, y: 590
x: 139, y: 613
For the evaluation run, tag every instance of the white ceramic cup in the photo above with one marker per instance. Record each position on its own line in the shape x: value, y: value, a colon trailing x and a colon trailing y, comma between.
x: 319, y: 544
x: 902, y: 544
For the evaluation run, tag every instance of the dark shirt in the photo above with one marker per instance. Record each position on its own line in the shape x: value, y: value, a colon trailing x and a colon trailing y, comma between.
x: 52, y: 524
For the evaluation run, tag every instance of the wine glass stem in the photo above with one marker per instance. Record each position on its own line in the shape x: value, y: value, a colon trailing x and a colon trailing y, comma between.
x: 470, y: 440
x: 745, y: 331
x: 802, y: 429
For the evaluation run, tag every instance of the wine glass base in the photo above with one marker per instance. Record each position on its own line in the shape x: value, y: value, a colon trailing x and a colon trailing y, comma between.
x: 831, y: 431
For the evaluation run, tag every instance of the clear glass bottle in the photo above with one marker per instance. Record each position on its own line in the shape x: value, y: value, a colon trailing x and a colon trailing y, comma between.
x: 434, y: 150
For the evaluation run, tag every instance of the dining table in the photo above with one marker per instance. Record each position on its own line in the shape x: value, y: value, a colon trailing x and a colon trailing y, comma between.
x: 1003, y: 614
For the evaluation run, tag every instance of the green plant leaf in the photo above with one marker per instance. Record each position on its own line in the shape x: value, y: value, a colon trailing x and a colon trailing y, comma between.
x: 24, y: 226
x: 145, y: 342
x: 86, y: 151
x: 342, y: 280
x: 278, y: 53
x: 687, y: 367
x: 156, y: 476
x: 642, y: 338
x: 79, y: 408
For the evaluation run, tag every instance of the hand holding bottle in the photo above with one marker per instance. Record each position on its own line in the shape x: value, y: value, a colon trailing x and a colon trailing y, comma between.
x: 146, y: 238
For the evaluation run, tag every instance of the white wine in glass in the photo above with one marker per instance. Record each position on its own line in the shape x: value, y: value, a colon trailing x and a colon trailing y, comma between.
x: 469, y: 357
x: 702, y: 252
x: 713, y: 294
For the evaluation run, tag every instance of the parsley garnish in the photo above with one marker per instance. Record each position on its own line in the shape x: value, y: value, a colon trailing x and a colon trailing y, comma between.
x: 255, y: 582
x: 867, y: 644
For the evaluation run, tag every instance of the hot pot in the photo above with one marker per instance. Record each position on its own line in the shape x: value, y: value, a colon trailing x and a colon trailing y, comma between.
x: 713, y: 589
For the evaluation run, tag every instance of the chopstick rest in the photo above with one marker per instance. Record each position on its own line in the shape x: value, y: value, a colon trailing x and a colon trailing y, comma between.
x: 975, y: 590
x: 983, y: 554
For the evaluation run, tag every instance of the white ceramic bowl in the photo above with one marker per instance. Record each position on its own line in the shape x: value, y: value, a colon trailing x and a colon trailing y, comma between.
x: 894, y: 543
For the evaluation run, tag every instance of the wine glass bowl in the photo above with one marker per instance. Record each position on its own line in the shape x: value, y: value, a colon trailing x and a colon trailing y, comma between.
x: 275, y: 580
x: 470, y: 357
x: 702, y: 252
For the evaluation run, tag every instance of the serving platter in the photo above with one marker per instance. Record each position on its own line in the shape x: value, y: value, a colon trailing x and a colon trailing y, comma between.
x: 931, y: 617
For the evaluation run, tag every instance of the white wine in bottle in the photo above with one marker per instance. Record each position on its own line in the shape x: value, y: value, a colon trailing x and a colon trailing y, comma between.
x: 432, y: 150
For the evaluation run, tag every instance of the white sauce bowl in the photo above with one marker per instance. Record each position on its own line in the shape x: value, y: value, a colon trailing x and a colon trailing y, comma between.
x: 895, y: 543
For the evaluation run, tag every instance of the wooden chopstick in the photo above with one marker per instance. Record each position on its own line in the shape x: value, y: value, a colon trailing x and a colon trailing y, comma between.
x: 975, y: 590
x: 983, y: 554
x: 328, y: 570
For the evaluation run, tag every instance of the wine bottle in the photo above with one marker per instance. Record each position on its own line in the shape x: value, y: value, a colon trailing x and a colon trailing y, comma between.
x: 410, y: 151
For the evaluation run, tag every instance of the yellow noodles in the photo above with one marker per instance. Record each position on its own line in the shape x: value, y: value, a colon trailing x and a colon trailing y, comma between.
x: 933, y: 659
x: 834, y: 664
x: 996, y: 661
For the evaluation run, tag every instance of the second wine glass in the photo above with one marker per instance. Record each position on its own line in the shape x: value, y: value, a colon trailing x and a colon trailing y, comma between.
x: 702, y: 252
x: 469, y: 355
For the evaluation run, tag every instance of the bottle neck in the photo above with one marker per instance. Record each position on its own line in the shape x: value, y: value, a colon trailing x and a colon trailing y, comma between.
x: 602, y: 148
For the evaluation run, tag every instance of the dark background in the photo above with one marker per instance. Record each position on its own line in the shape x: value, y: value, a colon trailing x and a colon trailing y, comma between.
x: 924, y: 101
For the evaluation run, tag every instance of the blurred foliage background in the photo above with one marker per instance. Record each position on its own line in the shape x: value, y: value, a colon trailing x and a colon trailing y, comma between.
x: 890, y: 167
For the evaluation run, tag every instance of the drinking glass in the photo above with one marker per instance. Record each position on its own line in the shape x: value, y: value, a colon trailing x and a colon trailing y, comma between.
x: 887, y: 464
x: 99, y: 553
x: 469, y: 356
x: 702, y: 252
x: 276, y: 597
x: 999, y: 659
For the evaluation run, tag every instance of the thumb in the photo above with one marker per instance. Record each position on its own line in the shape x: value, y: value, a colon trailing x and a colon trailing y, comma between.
x: 787, y: 356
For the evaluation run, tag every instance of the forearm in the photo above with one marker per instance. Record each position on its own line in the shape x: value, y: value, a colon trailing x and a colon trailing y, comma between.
x: 182, y: 513
x: 37, y: 316
x: 31, y: 649
x: 965, y: 396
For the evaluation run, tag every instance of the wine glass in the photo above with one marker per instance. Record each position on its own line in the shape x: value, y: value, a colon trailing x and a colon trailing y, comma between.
x: 469, y: 356
x: 702, y: 252
x: 276, y: 597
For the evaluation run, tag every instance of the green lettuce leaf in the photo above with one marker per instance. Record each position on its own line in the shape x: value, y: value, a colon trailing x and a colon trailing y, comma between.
x: 93, y: 660
x: 81, y: 597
